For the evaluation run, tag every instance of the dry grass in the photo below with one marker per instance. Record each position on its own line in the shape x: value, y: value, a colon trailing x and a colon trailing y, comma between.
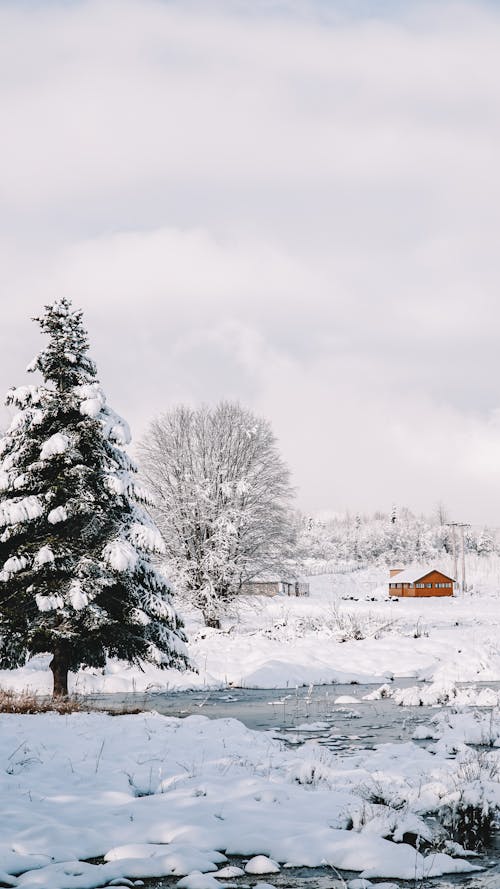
x: 27, y: 703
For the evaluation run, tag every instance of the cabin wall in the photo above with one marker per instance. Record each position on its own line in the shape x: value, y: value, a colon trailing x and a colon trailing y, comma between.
x: 262, y: 588
x: 275, y: 588
x: 434, y: 578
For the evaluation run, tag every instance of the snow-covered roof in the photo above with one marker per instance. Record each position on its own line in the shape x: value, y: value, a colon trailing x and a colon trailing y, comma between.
x: 412, y: 575
x: 272, y: 578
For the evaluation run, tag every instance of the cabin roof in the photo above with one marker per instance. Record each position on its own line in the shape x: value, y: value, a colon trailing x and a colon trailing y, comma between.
x: 413, y: 575
x: 271, y: 578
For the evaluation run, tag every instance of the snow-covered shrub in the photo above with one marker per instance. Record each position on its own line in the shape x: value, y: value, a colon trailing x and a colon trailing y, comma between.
x: 469, y: 821
x: 470, y: 809
x: 318, y: 768
x: 469, y: 727
x: 353, y: 625
x: 420, y: 629
x: 380, y: 793
x: 338, y: 623
x: 399, y: 825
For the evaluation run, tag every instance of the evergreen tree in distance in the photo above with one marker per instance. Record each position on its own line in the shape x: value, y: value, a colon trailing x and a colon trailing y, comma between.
x: 76, y: 545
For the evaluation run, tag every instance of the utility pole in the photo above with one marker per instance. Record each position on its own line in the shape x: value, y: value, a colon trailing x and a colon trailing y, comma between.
x: 464, y: 585
x: 455, y: 560
x: 453, y: 526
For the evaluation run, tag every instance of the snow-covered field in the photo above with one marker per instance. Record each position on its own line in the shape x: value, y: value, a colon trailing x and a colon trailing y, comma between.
x: 149, y: 795
x: 90, y: 799
x: 328, y: 637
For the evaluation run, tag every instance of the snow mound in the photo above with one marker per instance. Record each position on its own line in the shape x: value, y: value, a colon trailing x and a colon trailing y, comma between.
x: 260, y: 864
x: 437, y: 693
x: 197, y: 880
x: 230, y: 872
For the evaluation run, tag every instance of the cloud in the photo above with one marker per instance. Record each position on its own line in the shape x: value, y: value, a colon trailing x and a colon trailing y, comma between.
x: 287, y: 203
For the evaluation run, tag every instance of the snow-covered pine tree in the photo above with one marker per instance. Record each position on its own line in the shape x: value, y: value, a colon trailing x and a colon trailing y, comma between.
x: 77, y: 574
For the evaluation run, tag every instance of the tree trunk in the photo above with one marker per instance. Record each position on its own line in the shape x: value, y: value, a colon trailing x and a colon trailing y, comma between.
x: 59, y: 667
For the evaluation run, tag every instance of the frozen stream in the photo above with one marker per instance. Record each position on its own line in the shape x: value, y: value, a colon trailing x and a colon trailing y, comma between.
x: 303, y: 716
x: 291, y: 713
x: 345, y: 725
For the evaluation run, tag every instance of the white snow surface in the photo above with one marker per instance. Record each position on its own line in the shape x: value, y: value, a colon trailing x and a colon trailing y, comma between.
x: 230, y: 872
x: 436, y: 693
x: 261, y: 864
x: 92, y: 398
x: 22, y: 396
x: 48, y: 603
x: 120, y: 555
x: 20, y: 510
x: 284, y: 642
x: 118, y: 482
x: 147, y: 537
x: 44, y: 556
x: 93, y: 404
x: 77, y: 596
x: 56, y: 444
x: 59, y: 514
x: 158, y: 796
x: 13, y: 566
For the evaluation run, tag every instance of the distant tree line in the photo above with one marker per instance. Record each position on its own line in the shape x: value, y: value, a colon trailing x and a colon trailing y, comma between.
x: 395, y: 538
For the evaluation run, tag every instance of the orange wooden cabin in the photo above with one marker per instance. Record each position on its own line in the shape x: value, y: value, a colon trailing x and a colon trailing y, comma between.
x: 419, y: 582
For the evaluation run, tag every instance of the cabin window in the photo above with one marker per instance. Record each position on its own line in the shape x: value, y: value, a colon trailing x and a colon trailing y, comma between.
x: 420, y: 586
x: 429, y: 586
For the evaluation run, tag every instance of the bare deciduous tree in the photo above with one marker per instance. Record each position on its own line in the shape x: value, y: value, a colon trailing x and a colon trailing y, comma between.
x: 222, y: 500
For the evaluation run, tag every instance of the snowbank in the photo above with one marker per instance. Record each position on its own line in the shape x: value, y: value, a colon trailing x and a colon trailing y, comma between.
x: 155, y: 796
x: 437, y: 693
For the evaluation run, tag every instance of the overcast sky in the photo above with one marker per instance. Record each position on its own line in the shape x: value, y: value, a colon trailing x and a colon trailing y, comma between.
x: 295, y: 204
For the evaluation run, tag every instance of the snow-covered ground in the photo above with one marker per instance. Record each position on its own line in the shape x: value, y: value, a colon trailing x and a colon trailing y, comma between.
x: 149, y: 796
x: 328, y: 637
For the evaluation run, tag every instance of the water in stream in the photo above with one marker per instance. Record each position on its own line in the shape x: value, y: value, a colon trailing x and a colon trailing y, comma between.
x: 292, y: 714
x: 360, y: 723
